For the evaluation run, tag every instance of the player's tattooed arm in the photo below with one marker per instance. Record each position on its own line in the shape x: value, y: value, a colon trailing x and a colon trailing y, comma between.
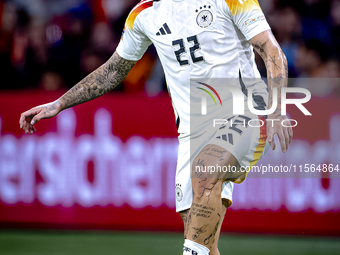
x: 96, y: 84
x: 276, y: 63
x: 99, y: 82
x: 277, y: 71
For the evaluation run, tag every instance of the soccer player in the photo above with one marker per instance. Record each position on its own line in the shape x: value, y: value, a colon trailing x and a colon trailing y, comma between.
x: 201, y: 39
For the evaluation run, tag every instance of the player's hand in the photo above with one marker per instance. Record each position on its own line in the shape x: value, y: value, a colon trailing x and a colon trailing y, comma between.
x: 285, y: 134
x: 31, y: 117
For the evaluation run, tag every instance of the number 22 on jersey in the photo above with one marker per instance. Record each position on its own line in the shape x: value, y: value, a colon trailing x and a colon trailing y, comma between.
x: 182, y: 50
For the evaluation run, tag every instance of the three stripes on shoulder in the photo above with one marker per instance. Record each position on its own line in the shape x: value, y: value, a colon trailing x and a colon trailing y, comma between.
x: 164, y: 30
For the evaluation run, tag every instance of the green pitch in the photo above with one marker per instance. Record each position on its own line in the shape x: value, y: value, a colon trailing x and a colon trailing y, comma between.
x: 149, y: 243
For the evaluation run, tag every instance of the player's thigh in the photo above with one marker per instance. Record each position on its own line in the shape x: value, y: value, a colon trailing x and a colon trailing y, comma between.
x: 207, y: 170
x: 247, y: 143
x: 211, y: 159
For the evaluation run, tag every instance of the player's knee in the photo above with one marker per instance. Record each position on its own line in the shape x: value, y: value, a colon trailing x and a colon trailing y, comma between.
x: 206, y: 188
x: 184, y: 215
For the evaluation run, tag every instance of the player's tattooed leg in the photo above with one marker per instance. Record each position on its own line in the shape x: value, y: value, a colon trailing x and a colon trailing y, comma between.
x: 206, y: 213
x: 211, y: 157
x: 214, y: 248
x: 186, y: 220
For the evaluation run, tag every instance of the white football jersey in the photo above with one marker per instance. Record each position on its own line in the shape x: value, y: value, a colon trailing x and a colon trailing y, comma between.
x: 195, y: 39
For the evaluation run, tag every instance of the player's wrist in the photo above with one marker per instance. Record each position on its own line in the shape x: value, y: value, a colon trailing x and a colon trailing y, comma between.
x: 56, y: 105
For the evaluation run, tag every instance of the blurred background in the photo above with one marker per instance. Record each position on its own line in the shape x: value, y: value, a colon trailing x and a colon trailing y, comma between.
x: 99, y: 178
x: 51, y: 45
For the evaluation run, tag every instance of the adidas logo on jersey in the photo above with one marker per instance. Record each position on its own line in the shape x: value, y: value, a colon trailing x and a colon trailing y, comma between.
x: 164, y: 30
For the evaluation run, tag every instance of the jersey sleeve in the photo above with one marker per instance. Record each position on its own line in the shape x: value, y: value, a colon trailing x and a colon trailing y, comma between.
x: 247, y: 15
x: 134, y: 42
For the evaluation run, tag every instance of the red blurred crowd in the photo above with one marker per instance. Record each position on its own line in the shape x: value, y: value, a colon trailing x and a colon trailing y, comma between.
x: 53, y: 44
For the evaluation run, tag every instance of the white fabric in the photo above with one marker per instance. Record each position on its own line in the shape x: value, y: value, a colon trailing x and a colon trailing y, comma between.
x: 223, y: 44
x: 247, y: 148
x: 192, y: 248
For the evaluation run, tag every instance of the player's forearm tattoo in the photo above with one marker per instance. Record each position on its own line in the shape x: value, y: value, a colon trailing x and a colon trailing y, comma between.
x: 273, y: 60
x: 279, y: 79
x: 277, y: 67
x: 99, y: 82
x: 51, y: 107
x: 260, y: 48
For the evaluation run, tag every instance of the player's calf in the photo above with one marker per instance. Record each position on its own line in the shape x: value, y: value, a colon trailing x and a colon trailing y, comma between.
x: 214, y: 248
x: 205, y: 215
